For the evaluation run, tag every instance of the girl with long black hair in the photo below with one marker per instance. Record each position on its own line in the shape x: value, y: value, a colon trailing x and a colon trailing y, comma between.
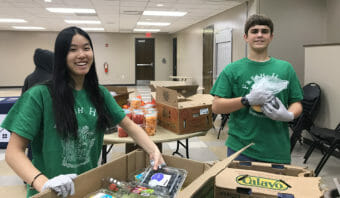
x: 65, y: 120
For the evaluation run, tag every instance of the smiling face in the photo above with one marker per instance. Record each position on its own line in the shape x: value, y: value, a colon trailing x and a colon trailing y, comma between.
x: 259, y: 37
x: 80, y: 57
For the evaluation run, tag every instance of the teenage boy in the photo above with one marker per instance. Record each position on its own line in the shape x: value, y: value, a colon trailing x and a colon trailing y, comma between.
x: 233, y: 94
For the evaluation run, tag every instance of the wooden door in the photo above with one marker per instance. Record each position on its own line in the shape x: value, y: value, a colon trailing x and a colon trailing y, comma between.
x: 145, y: 59
x: 208, y: 58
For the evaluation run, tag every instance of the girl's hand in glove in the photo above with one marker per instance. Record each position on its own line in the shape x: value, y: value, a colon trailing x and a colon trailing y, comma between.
x: 62, y: 184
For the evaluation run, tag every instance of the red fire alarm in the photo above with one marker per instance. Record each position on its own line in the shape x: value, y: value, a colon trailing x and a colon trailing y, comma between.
x: 148, y: 34
x: 106, y: 45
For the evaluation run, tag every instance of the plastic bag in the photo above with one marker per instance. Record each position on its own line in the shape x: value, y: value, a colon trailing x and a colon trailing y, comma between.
x: 269, y: 83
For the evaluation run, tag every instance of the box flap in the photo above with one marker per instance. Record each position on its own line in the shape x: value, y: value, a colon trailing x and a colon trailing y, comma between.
x: 213, y: 171
x: 167, y: 96
x: 185, y: 90
x: 261, y: 183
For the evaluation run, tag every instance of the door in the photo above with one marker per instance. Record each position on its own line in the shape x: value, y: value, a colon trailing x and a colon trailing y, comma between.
x: 208, y: 58
x: 145, y: 59
x: 174, y: 56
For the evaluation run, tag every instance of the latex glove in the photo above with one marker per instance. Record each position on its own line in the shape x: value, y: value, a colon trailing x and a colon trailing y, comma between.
x: 156, y: 160
x: 275, y: 110
x: 259, y: 97
x: 62, y: 184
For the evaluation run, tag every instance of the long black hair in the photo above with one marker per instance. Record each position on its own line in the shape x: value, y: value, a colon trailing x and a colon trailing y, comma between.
x: 62, y: 92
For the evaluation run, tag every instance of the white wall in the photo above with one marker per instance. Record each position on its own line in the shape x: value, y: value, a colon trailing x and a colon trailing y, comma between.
x: 17, y: 48
x: 333, y: 25
x: 190, y: 41
x: 296, y: 23
x: 322, y: 67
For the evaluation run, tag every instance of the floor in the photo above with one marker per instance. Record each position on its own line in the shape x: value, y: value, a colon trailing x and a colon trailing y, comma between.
x: 206, y: 149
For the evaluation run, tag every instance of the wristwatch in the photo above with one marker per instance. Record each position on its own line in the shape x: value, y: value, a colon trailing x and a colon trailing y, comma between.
x: 245, y: 101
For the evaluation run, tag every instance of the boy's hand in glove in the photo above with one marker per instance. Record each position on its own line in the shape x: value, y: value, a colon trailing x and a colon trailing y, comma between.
x: 62, y: 184
x: 259, y: 97
x: 275, y: 110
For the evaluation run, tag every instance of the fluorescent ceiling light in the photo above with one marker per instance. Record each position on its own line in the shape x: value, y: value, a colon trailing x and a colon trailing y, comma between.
x: 28, y: 28
x: 71, y: 10
x: 92, y: 29
x: 159, y: 5
x: 153, y: 23
x: 49, y: 1
x: 146, y: 30
x: 4, y: 20
x: 83, y: 21
x: 164, y: 13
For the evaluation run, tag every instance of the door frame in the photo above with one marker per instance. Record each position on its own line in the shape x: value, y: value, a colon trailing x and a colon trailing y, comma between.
x: 154, y: 64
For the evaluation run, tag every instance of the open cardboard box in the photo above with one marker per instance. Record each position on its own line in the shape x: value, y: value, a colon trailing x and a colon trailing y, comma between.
x: 266, y: 181
x: 180, y: 86
x: 122, y: 94
x: 229, y: 179
x: 123, y: 167
x: 183, y: 114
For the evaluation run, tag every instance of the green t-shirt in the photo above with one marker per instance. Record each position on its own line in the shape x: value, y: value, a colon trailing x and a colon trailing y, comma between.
x: 32, y: 118
x: 271, y: 137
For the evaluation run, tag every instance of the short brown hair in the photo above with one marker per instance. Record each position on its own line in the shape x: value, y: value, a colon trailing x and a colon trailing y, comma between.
x: 258, y: 19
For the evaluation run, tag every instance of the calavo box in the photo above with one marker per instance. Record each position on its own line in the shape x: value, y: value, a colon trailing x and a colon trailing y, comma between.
x: 258, y: 181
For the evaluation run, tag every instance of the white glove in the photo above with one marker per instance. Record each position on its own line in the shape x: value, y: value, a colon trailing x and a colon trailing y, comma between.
x: 259, y: 97
x: 275, y: 110
x: 62, y: 184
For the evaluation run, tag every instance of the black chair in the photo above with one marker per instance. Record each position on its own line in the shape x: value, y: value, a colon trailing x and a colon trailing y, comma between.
x: 224, y: 119
x: 323, y: 137
x: 311, y: 105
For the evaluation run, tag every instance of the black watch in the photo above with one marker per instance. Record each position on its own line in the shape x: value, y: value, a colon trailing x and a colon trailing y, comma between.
x: 245, y: 101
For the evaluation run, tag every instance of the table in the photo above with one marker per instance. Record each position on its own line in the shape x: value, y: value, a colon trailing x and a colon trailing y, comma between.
x: 181, y: 78
x: 5, y: 105
x: 162, y: 135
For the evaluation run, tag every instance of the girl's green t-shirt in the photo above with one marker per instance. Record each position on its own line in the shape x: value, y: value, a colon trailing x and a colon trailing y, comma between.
x: 32, y: 118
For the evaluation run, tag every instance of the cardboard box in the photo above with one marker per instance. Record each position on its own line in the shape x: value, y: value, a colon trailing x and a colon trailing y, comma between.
x: 221, y: 180
x: 236, y: 182
x: 122, y: 94
x: 180, y: 86
x: 183, y: 114
x: 123, y: 167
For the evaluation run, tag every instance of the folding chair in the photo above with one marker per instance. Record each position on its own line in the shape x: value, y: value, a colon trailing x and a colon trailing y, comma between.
x: 311, y: 105
x: 323, y: 137
x: 224, y: 119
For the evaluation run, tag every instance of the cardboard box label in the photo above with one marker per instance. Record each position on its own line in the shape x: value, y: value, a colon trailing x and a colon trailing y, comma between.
x: 204, y: 111
x: 261, y: 182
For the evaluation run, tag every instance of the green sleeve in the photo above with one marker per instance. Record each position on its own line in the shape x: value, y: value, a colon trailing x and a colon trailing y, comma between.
x: 295, y: 90
x: 115, y: 110
x: 222, y: 86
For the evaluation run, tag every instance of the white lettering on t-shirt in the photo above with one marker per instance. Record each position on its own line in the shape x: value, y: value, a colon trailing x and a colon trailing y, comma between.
x: 92, y: 111
x: 80, y: 110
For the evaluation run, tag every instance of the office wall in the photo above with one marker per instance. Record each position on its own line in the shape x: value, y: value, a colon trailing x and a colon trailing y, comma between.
x: 190, y: 41
x: 333, y: 25
x: 322, y: 67
x: 17, y: 48
x: 296, y: 23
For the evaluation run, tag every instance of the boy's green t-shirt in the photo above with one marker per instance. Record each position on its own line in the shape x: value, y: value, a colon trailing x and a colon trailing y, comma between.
x: 271, y: 137
x: 32, y: 117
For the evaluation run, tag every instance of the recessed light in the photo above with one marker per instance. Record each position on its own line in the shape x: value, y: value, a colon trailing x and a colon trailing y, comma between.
x: 146, y: 30
x: 164, y: 13
x: 71, y: 10
x: 48, y: 1
x: 28, y: 28
x: 82, y: 21
x: 5, y: 20
x: 153, y: 23
x: 92, y: 29
x: 160, y: 5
